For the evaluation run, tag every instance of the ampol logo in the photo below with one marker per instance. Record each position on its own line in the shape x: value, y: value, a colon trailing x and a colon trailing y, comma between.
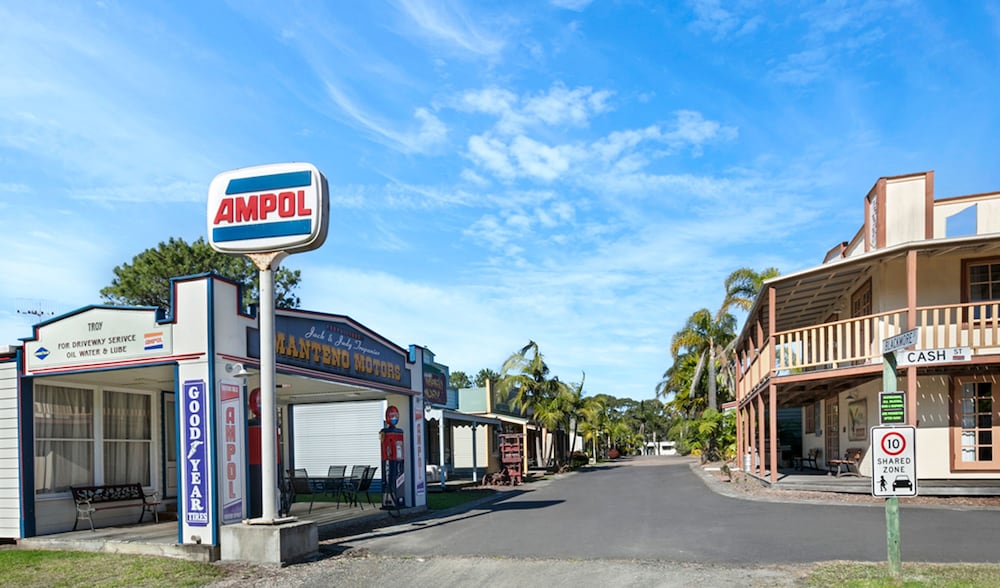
x: 279, y: 207
x: 153, y: 341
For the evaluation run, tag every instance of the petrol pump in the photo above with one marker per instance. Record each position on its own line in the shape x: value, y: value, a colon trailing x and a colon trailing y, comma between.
x: 254, y: 454
x: 393, y: 470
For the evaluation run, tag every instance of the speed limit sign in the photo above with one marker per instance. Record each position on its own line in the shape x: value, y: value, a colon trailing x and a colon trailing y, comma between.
x: 894, y: 461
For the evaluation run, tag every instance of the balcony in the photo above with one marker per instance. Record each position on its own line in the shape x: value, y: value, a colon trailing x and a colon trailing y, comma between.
x: 836, y: 346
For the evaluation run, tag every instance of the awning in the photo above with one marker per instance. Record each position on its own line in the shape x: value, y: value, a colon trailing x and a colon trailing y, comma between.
x: 436, y: 414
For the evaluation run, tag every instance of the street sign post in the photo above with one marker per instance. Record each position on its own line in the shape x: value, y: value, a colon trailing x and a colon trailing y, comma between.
x: 900, y: 341
x: 894, y: 461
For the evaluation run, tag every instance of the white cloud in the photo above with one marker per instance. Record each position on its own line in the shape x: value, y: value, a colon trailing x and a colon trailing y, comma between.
x: 540, y: 161
x: 492, y: 155
x: 429, y: 131
x: 447, y: 22
x: 557, y: 106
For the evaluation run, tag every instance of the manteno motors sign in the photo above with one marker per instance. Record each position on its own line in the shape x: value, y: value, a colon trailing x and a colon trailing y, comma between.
x: 268, y: 208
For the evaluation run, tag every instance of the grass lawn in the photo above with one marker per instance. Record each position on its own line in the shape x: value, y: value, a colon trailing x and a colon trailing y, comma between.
x: 52, y: 569
x: 55, y: 569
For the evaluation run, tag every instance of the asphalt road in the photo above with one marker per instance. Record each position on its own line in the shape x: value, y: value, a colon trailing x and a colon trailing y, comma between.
x: 656, y: 509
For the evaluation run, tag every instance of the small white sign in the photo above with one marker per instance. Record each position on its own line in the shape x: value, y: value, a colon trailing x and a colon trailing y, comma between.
x: 894, y: 461
x: 900, y: 341
x: 933, y: 356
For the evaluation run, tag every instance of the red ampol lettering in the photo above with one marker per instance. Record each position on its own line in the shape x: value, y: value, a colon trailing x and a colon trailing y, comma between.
x: 286, y: 204
x: 303, y: 211
x: 245, y: 209
x: 225, y: 212
x: 266, y: 203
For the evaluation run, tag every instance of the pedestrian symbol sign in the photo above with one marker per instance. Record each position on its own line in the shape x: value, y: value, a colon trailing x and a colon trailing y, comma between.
x: 894, y: 461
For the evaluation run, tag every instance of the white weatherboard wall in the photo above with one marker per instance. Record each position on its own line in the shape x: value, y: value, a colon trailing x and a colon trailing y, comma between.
x: 10, y: 485
x: 337, y: 433
x: 462, y: 447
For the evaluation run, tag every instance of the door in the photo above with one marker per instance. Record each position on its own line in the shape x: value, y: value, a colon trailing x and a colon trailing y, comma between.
x: 169, y: 446
x: 832, y: 430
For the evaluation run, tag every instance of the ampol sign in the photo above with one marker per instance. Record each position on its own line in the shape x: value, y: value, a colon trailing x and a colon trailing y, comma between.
x: 278, y: 207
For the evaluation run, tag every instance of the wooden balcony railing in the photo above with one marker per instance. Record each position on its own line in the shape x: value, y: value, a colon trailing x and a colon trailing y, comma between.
x: 858, y: 341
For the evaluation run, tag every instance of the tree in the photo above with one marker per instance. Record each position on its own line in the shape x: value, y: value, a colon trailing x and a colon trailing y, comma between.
x: 705, y: 336
x: 459, y: 380
x: 578, y: 408
x: 146, y: 281
x: 743, y: 286
x: 486, y: 375
x: 526, y: 377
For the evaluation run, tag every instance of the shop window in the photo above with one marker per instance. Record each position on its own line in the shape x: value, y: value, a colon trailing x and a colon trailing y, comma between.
x: 79, y: 433
x: 976, y: 430
x: 127, y: 438
x: 64, y: 433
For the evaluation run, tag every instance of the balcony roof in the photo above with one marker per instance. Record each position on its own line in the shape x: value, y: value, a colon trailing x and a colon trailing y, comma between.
x: 810, y: 296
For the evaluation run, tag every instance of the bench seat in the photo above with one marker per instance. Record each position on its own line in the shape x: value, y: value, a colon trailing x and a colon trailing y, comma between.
x: 90, y: 499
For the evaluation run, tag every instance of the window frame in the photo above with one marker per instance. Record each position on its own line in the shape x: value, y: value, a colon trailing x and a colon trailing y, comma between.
x: 98, y: 439
x: 956, y: 414
x: 966, y: 298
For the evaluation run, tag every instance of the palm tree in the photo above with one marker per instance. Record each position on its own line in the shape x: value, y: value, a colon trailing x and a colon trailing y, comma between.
x: 704, y: 335
x: 525, y: 377
x: 743, y: 286
x: 578, y: 408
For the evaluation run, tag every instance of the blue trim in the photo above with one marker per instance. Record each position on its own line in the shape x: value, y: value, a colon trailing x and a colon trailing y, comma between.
x: 210, y: 416
x: 177, y: 453
x: 262, y: 231
x: 271, y: 182
x: 26, y: 439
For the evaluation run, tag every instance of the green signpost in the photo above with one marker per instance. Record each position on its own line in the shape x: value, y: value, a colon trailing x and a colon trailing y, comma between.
x: 889, y: 347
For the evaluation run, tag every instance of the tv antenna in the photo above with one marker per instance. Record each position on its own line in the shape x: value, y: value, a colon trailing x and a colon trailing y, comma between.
x: 36, y: 309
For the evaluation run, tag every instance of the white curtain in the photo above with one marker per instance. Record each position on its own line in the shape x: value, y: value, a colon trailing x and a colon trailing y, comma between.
x: 127, y: 438
x: 64, y: 432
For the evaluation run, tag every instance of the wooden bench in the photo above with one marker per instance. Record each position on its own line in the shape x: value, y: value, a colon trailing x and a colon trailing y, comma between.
x: 849, y: 465
x: 90, y: 499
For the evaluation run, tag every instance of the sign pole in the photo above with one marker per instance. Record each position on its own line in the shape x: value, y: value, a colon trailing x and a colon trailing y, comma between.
x: 266, y: 263
x: 891, y: 502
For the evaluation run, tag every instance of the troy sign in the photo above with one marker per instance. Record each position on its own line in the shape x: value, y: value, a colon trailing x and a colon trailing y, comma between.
x: 268, y: 208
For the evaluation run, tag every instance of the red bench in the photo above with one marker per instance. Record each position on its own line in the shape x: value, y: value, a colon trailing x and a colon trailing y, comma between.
x: 90, y: 499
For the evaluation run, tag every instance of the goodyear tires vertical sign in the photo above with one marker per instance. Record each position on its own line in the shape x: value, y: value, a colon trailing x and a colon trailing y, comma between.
x: 196, y: 477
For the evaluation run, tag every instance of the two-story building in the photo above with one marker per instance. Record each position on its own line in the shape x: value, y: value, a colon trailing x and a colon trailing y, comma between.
x: 813, y: 339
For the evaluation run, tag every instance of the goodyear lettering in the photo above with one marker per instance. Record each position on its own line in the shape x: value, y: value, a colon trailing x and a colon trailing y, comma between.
x: 258, y: 207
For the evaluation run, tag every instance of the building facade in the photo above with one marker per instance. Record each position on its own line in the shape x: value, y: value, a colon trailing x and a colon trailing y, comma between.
x: 113, y: 395
x: 813, y: 340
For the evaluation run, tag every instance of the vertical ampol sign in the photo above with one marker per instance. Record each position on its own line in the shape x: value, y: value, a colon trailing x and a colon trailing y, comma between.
x: 196, y: 506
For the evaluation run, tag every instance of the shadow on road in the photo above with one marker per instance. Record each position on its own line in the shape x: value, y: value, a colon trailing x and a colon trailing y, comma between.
x: 340, y: 545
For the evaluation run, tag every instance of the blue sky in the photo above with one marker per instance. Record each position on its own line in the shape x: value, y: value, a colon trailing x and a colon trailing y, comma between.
x: 583, y: 174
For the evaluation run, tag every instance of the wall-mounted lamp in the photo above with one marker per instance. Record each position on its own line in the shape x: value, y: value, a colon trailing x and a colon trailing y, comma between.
x: 851, y: 397
x: 237, y: 370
